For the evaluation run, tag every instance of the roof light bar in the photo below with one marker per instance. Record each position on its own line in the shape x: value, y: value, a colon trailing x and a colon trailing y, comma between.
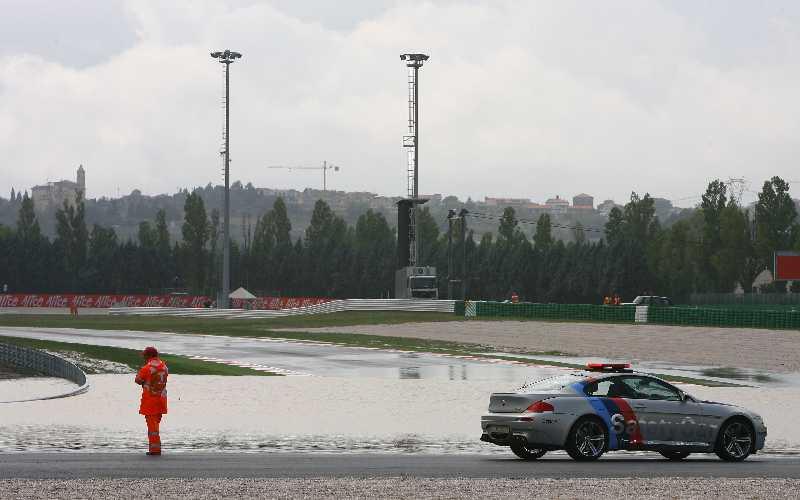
x: 608, y: 367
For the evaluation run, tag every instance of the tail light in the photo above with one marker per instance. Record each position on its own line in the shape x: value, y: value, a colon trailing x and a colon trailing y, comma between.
x: 540, y: 407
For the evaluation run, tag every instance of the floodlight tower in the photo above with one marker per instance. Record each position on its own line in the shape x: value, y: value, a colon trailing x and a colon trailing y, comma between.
x: 226, y: 58
x: 411, y: 141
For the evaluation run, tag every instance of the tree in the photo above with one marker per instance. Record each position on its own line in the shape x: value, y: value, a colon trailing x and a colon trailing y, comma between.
x: 730, y: 261
x: 195, y: 231
x: 776, y: 226
x: 713, y: 203
x: 72, y: 241
x: 373, y: 263
x: 147, y: 235
x: 430, y: 248
x: 28, y: 252
x: 326, y: 256
x: 214, y: 260
x: 543, y: 239
x: 102, y: 260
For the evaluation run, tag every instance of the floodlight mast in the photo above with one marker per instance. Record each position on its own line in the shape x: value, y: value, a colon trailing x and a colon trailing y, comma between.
x: 411, y: 141
x: 226, y: 57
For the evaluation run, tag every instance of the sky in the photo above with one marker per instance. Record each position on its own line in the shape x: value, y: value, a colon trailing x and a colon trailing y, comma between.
x: 528, y: 99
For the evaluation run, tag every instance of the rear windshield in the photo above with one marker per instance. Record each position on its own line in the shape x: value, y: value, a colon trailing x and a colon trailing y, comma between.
x: 552, y: 384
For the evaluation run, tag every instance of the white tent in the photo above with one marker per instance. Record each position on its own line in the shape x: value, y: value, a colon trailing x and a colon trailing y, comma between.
x: 241, y: 293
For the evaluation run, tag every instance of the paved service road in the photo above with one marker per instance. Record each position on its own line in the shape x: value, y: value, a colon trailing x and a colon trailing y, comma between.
x: 288, y: 465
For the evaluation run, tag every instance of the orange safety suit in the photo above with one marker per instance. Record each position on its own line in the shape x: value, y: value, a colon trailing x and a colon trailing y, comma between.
x: 153, y: 379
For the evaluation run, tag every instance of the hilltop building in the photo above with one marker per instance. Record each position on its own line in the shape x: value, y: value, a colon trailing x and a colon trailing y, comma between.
x: 557, y: 205
x: 583, y: 201
x: 53, y: 194
x: 506, y: 202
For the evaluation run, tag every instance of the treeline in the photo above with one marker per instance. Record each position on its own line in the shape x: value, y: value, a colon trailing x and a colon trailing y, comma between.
x: 721, y: 245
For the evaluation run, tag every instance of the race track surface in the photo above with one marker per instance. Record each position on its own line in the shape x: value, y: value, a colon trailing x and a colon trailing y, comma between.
x: 289, y: 357
x: 306, y: 465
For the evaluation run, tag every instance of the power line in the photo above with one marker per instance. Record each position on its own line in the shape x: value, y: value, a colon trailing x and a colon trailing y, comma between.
x: 484, y: 216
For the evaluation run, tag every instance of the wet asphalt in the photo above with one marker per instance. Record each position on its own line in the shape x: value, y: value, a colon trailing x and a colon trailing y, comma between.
x: 306, y: 465
x: 299, y: 358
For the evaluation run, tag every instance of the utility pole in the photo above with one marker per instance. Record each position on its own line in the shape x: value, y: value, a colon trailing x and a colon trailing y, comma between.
x: 463, y: 215
x: 451, y: 214
x: 226, y: 58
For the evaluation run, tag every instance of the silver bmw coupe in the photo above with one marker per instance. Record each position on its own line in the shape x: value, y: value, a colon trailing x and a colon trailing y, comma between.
x: 611, y: 407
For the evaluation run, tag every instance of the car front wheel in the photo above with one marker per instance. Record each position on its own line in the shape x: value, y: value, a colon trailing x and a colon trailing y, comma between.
x: 526, y: 452
x: 735, y: 440
x: 587, y: 440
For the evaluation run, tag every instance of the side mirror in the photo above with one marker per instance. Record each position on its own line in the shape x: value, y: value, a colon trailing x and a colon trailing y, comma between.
x: 686, y: 397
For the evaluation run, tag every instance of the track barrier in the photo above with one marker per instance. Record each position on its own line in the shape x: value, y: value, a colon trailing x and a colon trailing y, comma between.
x: 43, y: 363
x: 375, y: 305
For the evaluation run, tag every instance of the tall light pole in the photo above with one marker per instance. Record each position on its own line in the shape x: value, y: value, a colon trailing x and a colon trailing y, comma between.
x: 226, y: 58
x: 414, y: 62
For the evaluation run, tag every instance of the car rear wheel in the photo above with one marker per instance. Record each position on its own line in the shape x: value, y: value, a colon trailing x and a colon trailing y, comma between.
x: 674, y: 455
x: 587, y: 440
x: 735, y: 440
x: 527, y: 452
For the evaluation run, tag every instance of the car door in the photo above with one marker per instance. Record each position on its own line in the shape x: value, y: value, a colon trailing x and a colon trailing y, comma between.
x: 665, y: 417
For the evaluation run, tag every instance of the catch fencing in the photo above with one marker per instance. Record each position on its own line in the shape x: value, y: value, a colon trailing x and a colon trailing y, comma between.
x: 785, y: 318
x: 44, y: 363
x: 576, y: 312
x: 375, y: 305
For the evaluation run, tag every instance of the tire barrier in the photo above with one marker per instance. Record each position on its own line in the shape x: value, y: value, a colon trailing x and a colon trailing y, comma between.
x: 375, y: 305
x: 779, y: 318
x: 47, y: 364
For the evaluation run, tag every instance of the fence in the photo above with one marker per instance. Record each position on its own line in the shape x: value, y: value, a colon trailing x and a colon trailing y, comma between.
x: 786, y: 318
x: 375, y: 305
x: 46, y: 364
x: 576, y: 312
x: 747, y: 299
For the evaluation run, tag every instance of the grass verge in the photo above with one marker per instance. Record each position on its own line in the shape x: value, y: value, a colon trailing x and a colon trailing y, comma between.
x: 178, y: 365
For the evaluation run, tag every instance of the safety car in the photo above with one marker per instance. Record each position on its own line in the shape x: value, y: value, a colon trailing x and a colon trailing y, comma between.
x: 610, y: 407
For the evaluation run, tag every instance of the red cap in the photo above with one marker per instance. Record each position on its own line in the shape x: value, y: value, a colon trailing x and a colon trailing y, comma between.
x: 150, y: 352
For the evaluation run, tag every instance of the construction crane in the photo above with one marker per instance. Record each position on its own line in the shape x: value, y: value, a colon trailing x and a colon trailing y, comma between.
x: 325, y: 167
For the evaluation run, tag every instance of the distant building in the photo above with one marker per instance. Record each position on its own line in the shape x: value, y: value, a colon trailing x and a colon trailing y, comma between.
x: 433, y: 198
x: 557, y: 205
x: 507, y: 202
x: 605, y: 207
x: 54, y: 194
x: 583, y: 201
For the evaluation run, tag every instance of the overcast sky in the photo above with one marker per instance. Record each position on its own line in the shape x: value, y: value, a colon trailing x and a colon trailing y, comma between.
x: 519, y: 99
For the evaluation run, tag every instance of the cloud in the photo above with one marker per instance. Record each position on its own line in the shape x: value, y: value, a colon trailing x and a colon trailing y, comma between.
x: 519, y: 99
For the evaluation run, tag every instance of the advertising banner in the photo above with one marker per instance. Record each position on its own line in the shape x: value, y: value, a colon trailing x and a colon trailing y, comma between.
x: 275, y: 303
x: 65, y: 300
x: 99, y: 301
x: 787, y: 266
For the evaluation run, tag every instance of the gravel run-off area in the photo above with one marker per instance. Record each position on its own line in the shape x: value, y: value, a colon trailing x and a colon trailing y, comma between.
x: 771, y: 350
x: 666, y: 488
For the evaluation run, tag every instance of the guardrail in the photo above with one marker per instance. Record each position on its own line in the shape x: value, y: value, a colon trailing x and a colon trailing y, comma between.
x: 46, y: 364
x: 409, y: 305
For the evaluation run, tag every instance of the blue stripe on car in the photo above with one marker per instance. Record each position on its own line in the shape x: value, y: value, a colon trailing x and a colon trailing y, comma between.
x: 603, y: 408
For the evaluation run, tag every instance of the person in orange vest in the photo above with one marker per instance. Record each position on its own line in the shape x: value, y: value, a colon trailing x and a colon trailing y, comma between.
x: 617, y: 300
x: 153, y: 379
x: 607, y: 300
x: 514, y: 298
